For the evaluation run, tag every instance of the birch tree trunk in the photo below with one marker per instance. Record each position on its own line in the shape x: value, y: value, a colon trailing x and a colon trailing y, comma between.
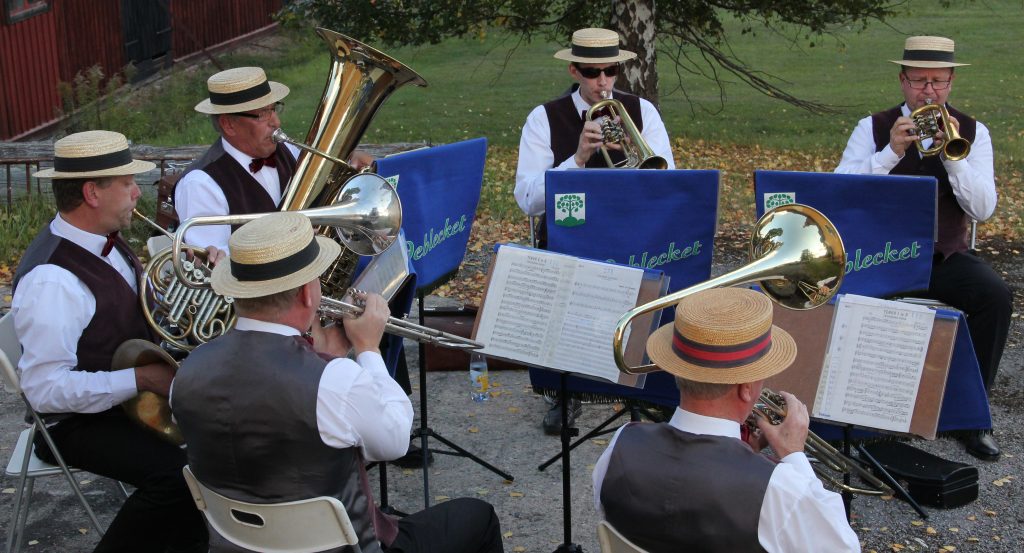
x: 634, y: 20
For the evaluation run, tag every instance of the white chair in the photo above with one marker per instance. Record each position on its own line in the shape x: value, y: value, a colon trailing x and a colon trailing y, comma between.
x: 614, y: 542
x: 23, y: 463
x: 302, y: 526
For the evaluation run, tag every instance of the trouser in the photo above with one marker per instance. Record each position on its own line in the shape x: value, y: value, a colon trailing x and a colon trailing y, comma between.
x: 463, y: 525
x: 969, y: 284
x: 160, y: 515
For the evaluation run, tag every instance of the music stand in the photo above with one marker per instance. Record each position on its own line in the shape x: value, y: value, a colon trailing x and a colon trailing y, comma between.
x: 535, y: 279
x: 440, y: 190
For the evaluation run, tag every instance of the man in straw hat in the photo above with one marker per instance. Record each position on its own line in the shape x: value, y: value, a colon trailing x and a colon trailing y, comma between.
x: 557, y: 137
x: 270, y: 417
x: 883, y: 144
x: 722, y: 495
x: 75, y: 301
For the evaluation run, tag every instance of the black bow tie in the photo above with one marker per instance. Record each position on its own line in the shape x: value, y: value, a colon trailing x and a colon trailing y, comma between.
x: 257, y: 163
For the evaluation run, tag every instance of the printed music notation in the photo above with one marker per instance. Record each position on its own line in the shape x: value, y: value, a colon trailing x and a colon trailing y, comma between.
x: 874, y: 362
x: 556, y: 311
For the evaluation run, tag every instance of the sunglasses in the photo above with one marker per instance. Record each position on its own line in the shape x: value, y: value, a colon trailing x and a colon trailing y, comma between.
x: 594, y: 72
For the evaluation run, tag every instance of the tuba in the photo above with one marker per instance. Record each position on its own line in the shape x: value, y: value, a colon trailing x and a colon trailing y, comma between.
x: 932, y: 118
x: 639, y: 154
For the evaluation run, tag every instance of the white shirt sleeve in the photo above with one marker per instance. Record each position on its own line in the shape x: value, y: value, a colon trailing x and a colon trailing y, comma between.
x: 799, y: 514
x: 359, y: 405
x: 654, y: 132
x: 972, y: 178
x: 197, y: 195
x: 535, y: 158
x: 51, y: 308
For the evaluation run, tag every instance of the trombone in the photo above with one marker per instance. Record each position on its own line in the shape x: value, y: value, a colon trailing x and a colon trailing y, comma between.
x: 771, y: 406
x: 797, y: 257
x: 336, y: 310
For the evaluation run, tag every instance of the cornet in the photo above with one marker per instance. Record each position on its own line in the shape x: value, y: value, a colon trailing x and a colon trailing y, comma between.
x: 639, y: 154
x: 771, y: 406
x: 930, y: 119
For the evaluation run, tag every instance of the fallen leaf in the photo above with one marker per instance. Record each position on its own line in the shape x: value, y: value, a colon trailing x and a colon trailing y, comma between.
x: 916, y: 523
x: 930, y: 530
x: 513, y: 409
x: 519, y: 549
x: 507, y: 535
x: 515, y: 494
x: 599, y: 441
x: 991, y: 513
x: 441, y: 498
x: 473, y: 430
x: 83, y: 531
x: 8, y: 490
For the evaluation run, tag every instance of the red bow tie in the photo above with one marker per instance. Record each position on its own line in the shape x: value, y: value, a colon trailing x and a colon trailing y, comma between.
x: 111, y: 238
x: 257, y: 163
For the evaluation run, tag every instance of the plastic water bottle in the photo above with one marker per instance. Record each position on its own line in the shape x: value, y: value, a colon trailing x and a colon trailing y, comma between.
x: 478, y: 377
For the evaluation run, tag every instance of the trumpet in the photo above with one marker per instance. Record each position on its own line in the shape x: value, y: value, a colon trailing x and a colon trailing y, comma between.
x: 930, y: 120
x: 336, y: 310
x: 771, y: 406
x: 639, y: 154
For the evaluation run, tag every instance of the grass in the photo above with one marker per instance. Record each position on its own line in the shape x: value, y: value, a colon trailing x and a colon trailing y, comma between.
x: 485, y: 86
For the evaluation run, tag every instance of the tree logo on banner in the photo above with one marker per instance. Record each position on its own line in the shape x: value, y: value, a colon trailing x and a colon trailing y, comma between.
x: 777, y: 199
x: 570, y: 210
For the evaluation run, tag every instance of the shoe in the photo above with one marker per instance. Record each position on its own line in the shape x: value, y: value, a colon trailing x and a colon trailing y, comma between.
x: 982, y: 445
x: 553, y: 419
x: 413, y: 459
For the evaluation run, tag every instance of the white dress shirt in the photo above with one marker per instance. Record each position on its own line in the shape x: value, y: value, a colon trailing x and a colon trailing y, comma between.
x: 51, y: 308
x: 197, y: 194
x: 358, y: 404
x: 536, y: 157
x: 797, y: 513
x: 972, y: 178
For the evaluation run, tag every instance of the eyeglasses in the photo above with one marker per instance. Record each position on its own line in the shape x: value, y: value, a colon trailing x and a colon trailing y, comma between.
x: 593, y: 72
x: 264, y: 114
x: 920, y: 84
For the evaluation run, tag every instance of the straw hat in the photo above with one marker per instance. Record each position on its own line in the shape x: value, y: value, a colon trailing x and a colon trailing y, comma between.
x: 274, y: 253
x: 240, y: 89
x: 722, y: 336
x: 928, y: 52
x: 93, y: 154
x: 595, y: 46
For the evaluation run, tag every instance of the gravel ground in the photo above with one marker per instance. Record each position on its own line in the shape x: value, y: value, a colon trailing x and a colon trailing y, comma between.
x: 505, y: 431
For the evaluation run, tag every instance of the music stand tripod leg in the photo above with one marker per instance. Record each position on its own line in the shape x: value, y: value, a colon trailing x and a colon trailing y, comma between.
x: 567, y: 546
x: 424, y: 431
x: 893, y: 483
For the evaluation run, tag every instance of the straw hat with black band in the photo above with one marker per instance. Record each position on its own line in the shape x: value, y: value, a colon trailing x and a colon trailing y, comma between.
x: 93, y: 154
x: 272, y: 254
x: 722, y: 336
x: 928, y: 52
x: 240, y: 89
x: 595, y: 46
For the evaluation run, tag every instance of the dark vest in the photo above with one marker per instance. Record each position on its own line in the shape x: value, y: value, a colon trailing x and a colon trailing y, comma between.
x: 566, y: 124
x: 246, y: 404
x: 668, y: 490
x: 118, y: 315
x: 244, y: 193
x: 952, y: 221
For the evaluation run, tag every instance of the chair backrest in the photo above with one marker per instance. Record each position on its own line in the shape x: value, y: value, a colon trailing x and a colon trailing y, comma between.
x: 294, y: 527
x: 614, y: 542
x: 10, y: 353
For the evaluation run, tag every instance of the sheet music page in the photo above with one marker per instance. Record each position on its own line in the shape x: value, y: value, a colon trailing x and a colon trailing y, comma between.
x: 874, y: 362
x: 556, y: 311
x: 385, y: 274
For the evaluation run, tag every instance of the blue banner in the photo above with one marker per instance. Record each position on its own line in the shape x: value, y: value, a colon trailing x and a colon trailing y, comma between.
x: 661, y: 220
x: 440, y: 190
x: 887, y: 223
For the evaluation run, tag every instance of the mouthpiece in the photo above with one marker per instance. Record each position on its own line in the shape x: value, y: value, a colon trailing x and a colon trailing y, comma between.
x: 279, y: 136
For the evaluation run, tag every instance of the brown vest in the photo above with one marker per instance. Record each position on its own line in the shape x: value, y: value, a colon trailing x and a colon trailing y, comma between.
x: 118, y: 314
x: 246, y: 404
x: 566, y: 124
x: 668, y: 490
x: 244, y: 193
x: 952, y: 221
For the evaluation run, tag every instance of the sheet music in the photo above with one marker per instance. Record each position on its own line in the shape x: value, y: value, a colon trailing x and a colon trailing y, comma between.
x: 386, y: 273
x: 556, y: 310
x: 874, y: 362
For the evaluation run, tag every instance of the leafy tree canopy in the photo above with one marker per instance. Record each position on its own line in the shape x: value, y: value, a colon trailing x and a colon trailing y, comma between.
x: 690, y: 32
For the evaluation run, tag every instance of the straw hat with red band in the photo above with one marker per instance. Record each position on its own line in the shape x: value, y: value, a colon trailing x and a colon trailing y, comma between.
x: 928, y: 52
x: 595, y: 46
x: 240, y: 89
x: 722, y: 336
x: 93, y: 154
x: 272, y: 254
